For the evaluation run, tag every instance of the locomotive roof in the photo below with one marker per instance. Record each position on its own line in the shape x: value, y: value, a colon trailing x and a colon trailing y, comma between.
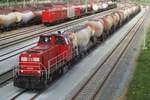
x: 48, y: 35
x: 37, y: 50
x: 55, y: 9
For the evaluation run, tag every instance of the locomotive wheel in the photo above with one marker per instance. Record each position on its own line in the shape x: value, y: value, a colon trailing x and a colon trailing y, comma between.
x: 50, y: 80
x: 45, y: 83
x: 60, y: 72
x: 65, y: 69
x: 104, y: 36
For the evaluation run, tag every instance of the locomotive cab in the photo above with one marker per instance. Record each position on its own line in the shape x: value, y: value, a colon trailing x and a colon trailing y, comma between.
x: 36, y: 65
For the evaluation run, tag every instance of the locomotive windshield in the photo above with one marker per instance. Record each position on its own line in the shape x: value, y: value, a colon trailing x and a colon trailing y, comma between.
x: 44, y: 39
x: 60, y: 40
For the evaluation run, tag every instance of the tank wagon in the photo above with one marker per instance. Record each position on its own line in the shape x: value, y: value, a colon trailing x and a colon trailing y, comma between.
x: 54, y: 53
x: 51, y: 16
x: 14, y: 20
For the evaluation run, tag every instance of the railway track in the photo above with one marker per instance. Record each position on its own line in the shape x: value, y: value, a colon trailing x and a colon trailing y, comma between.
x: 7, y: 33
x: 15, y: 52
x: 17, y: 95
x: 5, y: 43
x: 18, y: 33
x: 6, y: 77
x: 33, y: 93
x: 97, y: 80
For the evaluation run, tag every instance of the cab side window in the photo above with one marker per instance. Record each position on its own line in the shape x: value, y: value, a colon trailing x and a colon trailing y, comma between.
x: 60, y: 40
x: 44, y: 39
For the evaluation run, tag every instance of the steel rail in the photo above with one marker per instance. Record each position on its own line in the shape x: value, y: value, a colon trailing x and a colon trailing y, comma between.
x: 6, y: 77
x: 25, y: 31
x: 19, y: 94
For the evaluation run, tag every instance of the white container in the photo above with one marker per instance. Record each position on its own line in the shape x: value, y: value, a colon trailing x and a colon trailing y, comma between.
x: 70, y: 12
x: 116, y: 19
x: 104, y: 5
x: 8, y: 19
x: 95, y: 7
x: 27, y: 16
x: 108, y: 22
x: 96, y: 26
x: 83, y: 36
x: 19, y: 16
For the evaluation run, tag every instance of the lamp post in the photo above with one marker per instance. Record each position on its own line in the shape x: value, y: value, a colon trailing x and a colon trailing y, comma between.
x: 7, y: 3
x: 24, y: 3
x: 145, y: 26
x: 86, y: 3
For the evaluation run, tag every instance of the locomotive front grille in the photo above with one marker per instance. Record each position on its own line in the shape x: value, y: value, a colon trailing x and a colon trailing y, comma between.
x: 29, y: 82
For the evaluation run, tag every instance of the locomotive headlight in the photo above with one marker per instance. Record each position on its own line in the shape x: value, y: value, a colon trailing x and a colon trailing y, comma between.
x: 36, y: 59
x: 104, y: 5
x: 39, y: 71
x: 95, y: 7
x: 24, y: 58
x: 21, y: 71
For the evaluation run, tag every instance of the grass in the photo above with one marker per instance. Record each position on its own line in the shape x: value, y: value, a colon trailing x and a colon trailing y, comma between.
x: 139, y: 88
x: 143, y: 2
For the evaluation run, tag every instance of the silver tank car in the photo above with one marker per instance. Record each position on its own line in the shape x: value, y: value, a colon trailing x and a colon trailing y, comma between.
x: 108, y: 22
x: 19, y: 16
x: 104, y: 5
x: 116, y: 19
x: 95, y: 7
x: 27, y: 16
x: 81, y: 37
x: 7, y: 20
x: 121, y: 16
x: 96, y: 26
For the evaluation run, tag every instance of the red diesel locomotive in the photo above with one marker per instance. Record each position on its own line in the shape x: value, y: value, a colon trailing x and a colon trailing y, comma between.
x: 38, y: 65
x: 51, y: 16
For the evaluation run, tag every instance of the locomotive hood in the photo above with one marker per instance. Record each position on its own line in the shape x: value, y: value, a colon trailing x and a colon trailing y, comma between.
x: 37, y: 50
x: 34, y: 54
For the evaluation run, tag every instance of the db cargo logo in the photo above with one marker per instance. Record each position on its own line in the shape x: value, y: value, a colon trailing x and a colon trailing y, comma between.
x: 29, y: 59
x: 29, y: 68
